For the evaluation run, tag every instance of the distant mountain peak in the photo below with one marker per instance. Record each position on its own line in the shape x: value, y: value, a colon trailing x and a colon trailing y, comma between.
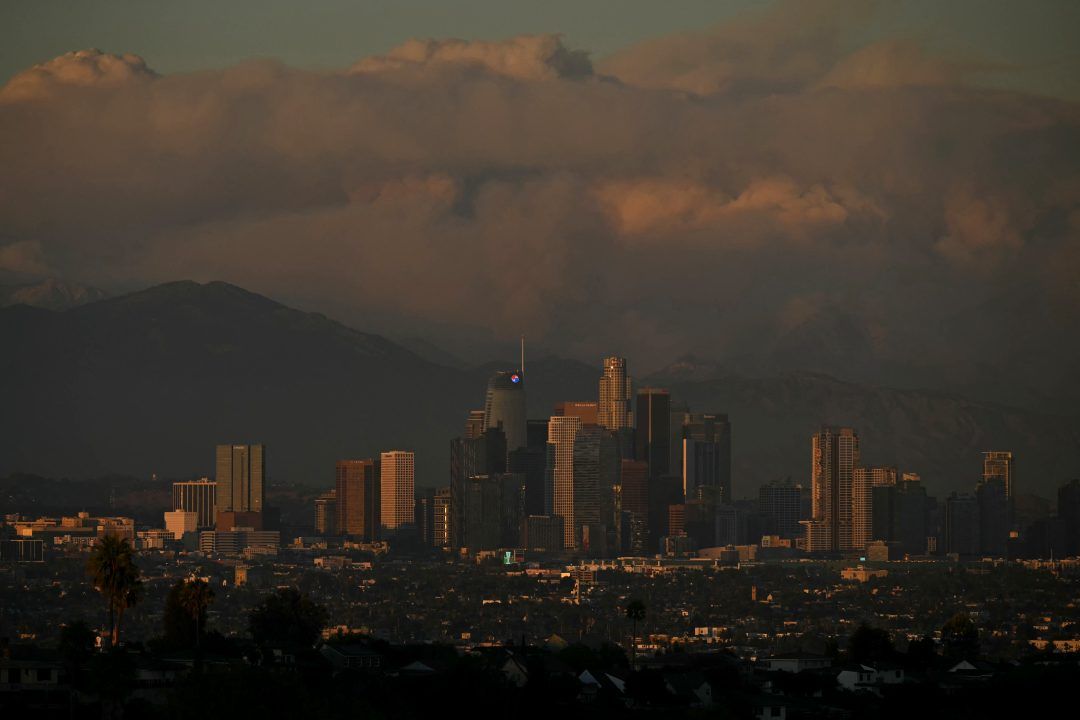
x: 51, y: 294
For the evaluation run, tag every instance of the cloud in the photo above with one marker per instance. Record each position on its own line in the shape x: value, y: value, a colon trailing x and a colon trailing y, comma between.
x: 525, y: 57
x: 783, y: 47
x: 83, y: 68
x: 892, y: 63
x: 729, y: 193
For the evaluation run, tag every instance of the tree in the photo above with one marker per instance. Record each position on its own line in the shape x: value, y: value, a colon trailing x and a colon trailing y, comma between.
x: 77, y: 649
x: 635, y: 613
x: 184, y: 619
x: 196, y: 597
x: 869, y: 644
x: 960, y: 637
x: 116, y: 576
x: 921, y: 653
x: 287, y: 617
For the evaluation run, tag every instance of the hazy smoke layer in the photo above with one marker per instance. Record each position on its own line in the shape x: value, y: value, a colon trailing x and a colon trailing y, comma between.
x: 760, y: 192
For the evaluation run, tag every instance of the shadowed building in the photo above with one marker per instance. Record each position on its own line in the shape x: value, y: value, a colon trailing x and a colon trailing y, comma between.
x: 441, y: 520
x: 530, y: 462
x: 706, y: 454
x: 994, y: 516
x: 780, y: 504
x: 864, y: 480
x: 634, y: 503
x: 1069, y: 518
x: 469, y: 457
x: 326, y: 513
x: 596, y: 473
x: 474, y: 424
x: 652, y: 437
x: 962, y: 525
x: 998, y: 468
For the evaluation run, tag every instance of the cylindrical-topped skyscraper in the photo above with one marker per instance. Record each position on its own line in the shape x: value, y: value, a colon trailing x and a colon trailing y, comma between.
x: 505, y: 407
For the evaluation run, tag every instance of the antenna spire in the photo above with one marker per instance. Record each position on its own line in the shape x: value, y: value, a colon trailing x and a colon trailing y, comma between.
x: 523, y: 356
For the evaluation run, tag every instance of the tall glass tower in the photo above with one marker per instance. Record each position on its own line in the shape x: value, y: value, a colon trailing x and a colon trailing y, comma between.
x: 505, y: 407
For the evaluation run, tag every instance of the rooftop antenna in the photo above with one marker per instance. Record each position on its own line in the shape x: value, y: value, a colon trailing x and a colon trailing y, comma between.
x: 523, y: 356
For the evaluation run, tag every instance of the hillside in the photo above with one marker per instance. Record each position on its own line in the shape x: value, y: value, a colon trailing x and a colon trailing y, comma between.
x: 151, y: 381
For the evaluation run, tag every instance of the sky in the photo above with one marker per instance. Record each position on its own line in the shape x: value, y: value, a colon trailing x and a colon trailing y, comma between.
x: 883, y: 191
x: 1036, y: 39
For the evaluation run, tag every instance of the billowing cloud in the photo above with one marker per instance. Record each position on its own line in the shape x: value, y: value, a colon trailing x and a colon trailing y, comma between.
x: 761, y: 193
x: 526, y: 57
x: 893, y: 62
x: 83, y: 68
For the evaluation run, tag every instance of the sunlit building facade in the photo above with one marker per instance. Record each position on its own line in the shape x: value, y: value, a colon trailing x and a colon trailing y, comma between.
x: 614, y: 409
x: 398, y: 488
x: 834, y: 457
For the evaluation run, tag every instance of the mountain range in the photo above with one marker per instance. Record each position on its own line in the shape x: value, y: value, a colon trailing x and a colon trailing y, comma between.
x: 150, y: 381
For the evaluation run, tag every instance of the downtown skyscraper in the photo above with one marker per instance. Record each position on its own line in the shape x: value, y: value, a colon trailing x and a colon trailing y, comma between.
x: 397, y: 487
x: 833, y: 459
x: 504, y: 407
x: 357, y: 496
x: 652, y: 441
x: 562, y: 432
x: 615, y: 395
x: 241, y: 478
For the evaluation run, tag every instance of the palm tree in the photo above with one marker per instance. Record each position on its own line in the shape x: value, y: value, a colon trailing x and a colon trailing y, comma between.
x: 116, y: 576
x: 635, y: 612
x: 196, y: 596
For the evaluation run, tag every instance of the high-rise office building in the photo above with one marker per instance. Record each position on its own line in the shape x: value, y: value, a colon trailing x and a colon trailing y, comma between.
x: 326, y: 513
x: 998, y: 464
x: 493, y: 511
x: 780, y: 504
x: 863, y: 482
x: 588, y: 411
x: 469, y: 457
x: 652, y: 439
x: 543, y: 532
x: 442, y: 519
x: 397, y: 470
x: 614, y: 409
x: 199, y: 497
x: 562, y: 431
x: 425, y: 516
x: 901, y: 514
x: 241, y: 480
x: 834, y: 457
x: 1068, y: 519
x: 357, y: 494
x: 962, y: 525
x: 634, y: 503
x: 529, y: 462
x: 596, y: 473
x: 504, y: 407
x: 474, y: 424
x: 998, y: 467
x: 706, y: 454
x: 993, y: 500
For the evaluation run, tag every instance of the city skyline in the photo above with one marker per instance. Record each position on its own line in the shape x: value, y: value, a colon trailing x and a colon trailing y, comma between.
x: 570, y: 359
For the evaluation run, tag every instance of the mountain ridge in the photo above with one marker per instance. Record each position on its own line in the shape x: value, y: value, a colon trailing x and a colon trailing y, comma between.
x: 150, y: 381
